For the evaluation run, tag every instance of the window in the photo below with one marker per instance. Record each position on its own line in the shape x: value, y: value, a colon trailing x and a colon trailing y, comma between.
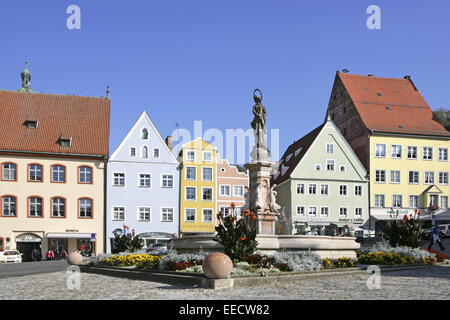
x: 380, y: 175
x: 428, y: 177
x: 396, y: 151
x: 118, y: 214
x: 317, y: 167
x: 342, y: 168
x: 312, y: 211
x: 379, y: 201
x: 330, y: 165
x: 85, y: 208
x: 58, y: 174
x: 396, y: 201
x: 35, y: 207
x: 191, y: 173
x: 444, y: 202
x: 312, y: 189
x: 300, y: 188
x: 207, y: 156
x: 144, y: 134
x: 144, y: 214
x: 9, y: 205
x: 300, y: 210
x: 35, y: 173
x: 31, y: 124
x: 324, y: 189
x: 133, y: 152
x: 330, y: 148
x: 413, y: 177
x: 343, y: 212
x: 119, y: 180
x: 427, y: 153
x: 207, y: 174
x: 380, y: 150
x: 395, y: 176
x: 224, y: 211
x: 190, y: 156
x: 167, y: 214
x: 85, y: 175
x: 144, y: 152
x: 324, y: 211
x: 443, y: 177
x: 207, y: 215
x: 225, y: 190
x: 189, y: 215
x: 191, y: 193
x: 58, y: 208
x: 167, y: 181
x: 343, y: 189
x: 414, y: 201
x: 155, y: 153
x: 412, y: 153
x: 238, y: 191
x: 207, y: 194
x: 9, y: 172
x: 358, y: 191
x: 145, y: 180
x: 443, y: 154
x: 358, y: 213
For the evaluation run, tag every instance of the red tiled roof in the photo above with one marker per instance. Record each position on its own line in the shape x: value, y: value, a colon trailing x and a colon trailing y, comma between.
x: 83, y: 119
x: 374, y: 96
x: 295, y: 153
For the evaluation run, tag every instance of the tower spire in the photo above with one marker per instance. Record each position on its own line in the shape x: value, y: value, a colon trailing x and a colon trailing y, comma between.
x: 26, y: 79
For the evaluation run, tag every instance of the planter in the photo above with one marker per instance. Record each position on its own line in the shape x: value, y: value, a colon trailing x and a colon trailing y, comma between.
x: 217, y: 265
x: 74, y: 258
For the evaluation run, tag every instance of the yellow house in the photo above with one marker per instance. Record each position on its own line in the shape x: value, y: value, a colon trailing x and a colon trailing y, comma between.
x: 53, y: 151
x: 198, y: 187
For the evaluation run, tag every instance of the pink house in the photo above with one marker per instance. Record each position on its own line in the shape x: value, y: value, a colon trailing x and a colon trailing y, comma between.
x: 231, y: 185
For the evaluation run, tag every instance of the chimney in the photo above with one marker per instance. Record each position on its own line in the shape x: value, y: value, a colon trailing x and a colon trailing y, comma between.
x: 412, y: 83
x: 169, y: 142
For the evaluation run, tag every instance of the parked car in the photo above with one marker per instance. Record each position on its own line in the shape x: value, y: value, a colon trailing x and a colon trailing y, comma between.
x: 445, y: 229
x: 158, y: 249
x: 10, y: 256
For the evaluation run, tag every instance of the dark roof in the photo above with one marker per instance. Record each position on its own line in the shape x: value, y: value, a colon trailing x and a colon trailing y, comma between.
x: 294, y: 153
x: 391, y: 105
x: 84, y: 120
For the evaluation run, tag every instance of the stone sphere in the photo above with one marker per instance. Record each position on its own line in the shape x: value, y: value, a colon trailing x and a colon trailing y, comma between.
x: 74, y: 258
x: 217, y: 265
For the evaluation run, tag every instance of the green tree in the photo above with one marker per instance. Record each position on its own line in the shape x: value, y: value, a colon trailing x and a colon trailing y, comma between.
x: 442, y: 115
x: 127, y: 243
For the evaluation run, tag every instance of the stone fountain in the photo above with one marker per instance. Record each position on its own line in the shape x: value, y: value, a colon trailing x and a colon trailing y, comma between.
x: 261, y: 199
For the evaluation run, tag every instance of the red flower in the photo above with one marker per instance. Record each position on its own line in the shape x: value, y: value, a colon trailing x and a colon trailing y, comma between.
x: 242, y: 238
x: 233, y: 205
x: 405, y: 218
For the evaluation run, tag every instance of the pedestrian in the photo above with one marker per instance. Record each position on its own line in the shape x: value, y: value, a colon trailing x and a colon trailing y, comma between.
x: 435, y: 238
x: 63, y: 254
x: 50, y: 255
x: 35, y: 255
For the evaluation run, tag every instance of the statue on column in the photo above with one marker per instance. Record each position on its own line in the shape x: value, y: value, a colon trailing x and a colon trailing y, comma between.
x: 260, y: 151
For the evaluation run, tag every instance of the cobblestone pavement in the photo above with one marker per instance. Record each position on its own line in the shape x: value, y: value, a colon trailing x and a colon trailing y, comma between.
x: 430, y: 283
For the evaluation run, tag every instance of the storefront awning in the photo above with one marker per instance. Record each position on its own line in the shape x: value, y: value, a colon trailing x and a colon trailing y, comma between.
x: 68, y: 235
x: 441, y: 214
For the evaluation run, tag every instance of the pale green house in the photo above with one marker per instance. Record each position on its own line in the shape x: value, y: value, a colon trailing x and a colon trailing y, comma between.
x: 321, y: 185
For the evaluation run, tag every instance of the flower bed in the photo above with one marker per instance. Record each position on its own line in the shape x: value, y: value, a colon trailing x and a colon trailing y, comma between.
x: 144, y: 261
x: 383, y: 254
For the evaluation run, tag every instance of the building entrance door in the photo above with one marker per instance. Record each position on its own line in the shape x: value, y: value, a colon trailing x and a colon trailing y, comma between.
x: 26, y: 243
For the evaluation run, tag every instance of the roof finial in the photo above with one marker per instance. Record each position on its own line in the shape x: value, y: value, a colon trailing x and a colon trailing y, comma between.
x: 26, y: 79
x: 107, y: 92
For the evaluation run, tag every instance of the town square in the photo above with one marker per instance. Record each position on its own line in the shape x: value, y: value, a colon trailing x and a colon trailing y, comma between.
x: 213, y: 152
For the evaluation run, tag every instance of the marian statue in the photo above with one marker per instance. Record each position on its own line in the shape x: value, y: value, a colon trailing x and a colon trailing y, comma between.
x: 260, y: 151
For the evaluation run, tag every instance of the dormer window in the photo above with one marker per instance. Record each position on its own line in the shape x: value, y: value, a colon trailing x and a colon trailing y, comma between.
x: 31, y: 124
x: 65, y: 142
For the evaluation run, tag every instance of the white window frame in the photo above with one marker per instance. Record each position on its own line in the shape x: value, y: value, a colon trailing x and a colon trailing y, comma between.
x: 185, y: 193
x: 227, y: 208
x: 416, y: 174
x: 203, y: 215
x: 425, y: 177
x: 142, y: 152
x: 439, y: 178
x: 302, y: 187
x: 410, y: 202
x: 162, y: 214
x: 357, y: 216
x: 384, y: 148
x: 442, y: 202
x: 399, y: 196
x: 190, y: 152
x: 439, y: 154
x: 327, y: 150
x: 346, y: 212
x: 355, y: 193
x: 212, y: 194
x: 423, y: 153
x: 114, y: 179
x: 59, y: 206
x: 241, y: 188
x: 130, y: 152
x: 139, y: 180
x: 315, y: 189
x: 185, y: 215
x: 186, y: 173
x: 139, y: 214
x: 327, y: 189
x: 156, y: 156
x: 382, y: 196
x: 229, y: 190
x: 329, y: 161
x: 324, y: 215
x: 375, y: 177
x: 416, y: 152
x: 113, y: 212
x: 401, y: 151
x: 317, y: 167
x: 346, y: 190
x: 309, y: 211
x: 162, y: 180
x: 203, y: 156
x: 296, y: 211
x: 212, y: 174
x: 390, y: 176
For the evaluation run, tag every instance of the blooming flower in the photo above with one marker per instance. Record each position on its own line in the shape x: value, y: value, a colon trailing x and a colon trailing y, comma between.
x: 242, y: 238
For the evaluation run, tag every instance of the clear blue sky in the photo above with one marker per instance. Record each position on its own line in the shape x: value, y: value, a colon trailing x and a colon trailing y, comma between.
x: 201, y: 59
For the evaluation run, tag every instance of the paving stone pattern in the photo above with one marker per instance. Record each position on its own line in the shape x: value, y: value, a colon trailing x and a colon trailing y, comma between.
x: 427, y: 283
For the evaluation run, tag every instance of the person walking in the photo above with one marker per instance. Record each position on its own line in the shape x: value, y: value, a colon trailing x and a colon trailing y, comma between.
x: 435, y: 238
x: 50, y: 255
x: 63, y: 254
x: 35, y: 255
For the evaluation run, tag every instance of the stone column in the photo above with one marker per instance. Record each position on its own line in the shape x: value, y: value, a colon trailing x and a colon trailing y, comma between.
x: 259, y: 196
